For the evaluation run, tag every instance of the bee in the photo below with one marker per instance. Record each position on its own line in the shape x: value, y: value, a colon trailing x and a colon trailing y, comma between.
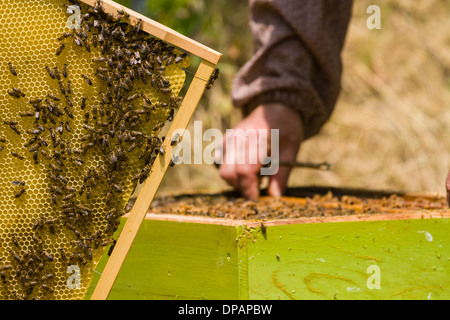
x: 170, y: 60
x: 173, y: 161
x: 213, y: 78
x: 78, y: 41
x: 26, y: 114
x: 117, y: 188
x: 15, y: 240
x: 19, y: 193
x: 55, y: 167
x: 64, y: 71
x: 88, y: 80
x: 122, y: 14
x: 69, y: 197
x: 68, y: 112
x: 56, y: 72
x: 56, y: 190
x: 17, y: 155
x: 87, y: 46
x: 83, y: 103
x: 95, y: 40
x: 133, y: 97
x: 47, y: 255
x: 65, y: 35
x: 88, y: 192
x: 37, y: 240
x: 15, y: 256
x: 98, y: 59
x: 18, y: 183
x: 34, y: 131
x: 78, y: 161
x: 30, y: 283
x: 60, y: 49
x: 67, y: 126
x: 138, y: 25
x: 62, y: 254
x: 42, y: 142
x: 12, y: 69
x: 36, y: 157
x: 165, y: 90
x: 263, y: 228
x: 175, y: 140
x: 47, y: 276
x: 47, y: 287
x: 40, y: 127
x: 10, y: 123
x: 108, y: 197
x: 53, y: 97
x: 16, y: 93
x: 87, y: 114
x: 51, y: 74
x: 88, y: 252
x: 112, y: 247
x: 62, y: 88
x: 69, y: 87
x: 3, y: 277
x: 38, y: 223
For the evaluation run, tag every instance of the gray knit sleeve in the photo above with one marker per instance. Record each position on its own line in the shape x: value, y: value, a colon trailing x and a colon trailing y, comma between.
x: 297, y: 58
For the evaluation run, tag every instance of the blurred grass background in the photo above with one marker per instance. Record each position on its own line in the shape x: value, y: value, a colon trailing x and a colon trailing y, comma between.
x: 391, y: 126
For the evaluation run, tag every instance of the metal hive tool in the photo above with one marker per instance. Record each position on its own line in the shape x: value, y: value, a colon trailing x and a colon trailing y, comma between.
x: 81, y: 113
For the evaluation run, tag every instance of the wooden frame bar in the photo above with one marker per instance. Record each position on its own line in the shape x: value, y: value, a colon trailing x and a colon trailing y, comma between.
x: 162, y: 32
x: 210, y: 58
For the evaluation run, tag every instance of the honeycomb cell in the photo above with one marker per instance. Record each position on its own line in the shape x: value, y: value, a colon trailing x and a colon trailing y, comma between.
x: 79, y: 160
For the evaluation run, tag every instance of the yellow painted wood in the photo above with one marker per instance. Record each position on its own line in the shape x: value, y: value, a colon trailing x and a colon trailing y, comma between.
x: 151, y: 185
x: 162, y: 32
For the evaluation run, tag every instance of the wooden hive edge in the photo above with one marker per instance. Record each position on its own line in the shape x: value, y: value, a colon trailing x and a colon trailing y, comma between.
x: 256, y: 223
x: 162, y: 32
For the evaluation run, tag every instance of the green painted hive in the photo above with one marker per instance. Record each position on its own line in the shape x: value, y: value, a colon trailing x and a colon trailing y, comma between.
x: 347, y: 247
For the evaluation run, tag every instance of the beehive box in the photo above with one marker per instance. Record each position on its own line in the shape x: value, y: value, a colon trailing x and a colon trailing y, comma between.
x: 82, y: 113
x: 347, y: 244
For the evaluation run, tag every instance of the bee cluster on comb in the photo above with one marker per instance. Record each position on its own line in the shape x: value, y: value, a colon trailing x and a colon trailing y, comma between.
x: 80, y: 143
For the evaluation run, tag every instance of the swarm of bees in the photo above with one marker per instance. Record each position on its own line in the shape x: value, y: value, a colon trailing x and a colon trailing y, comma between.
x: 118, y: 128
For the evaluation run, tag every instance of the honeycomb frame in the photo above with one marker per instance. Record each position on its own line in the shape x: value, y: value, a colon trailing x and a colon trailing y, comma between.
x: 19, y: 189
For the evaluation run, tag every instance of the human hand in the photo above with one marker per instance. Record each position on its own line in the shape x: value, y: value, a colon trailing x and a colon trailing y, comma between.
x: 246, y: 177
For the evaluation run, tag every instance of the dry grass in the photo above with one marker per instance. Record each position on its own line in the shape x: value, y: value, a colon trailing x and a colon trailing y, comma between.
x: 391, y: 127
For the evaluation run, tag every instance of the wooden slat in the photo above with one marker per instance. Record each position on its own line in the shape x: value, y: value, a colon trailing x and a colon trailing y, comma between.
x: 406, y: 215
x: 151, y: 185
x: 162, y: 32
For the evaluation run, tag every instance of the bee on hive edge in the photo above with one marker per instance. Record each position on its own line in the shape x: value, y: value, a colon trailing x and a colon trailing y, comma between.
x: 213, y: 78
x: 122, y: 14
